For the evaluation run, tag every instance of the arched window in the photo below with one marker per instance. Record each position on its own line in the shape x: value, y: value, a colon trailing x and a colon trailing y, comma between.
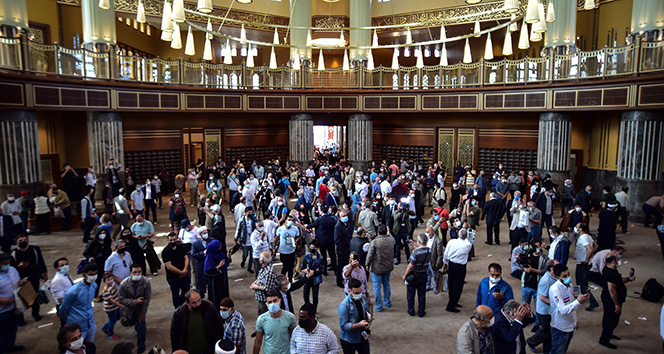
x: 406, y: 81
x: 415, y: 81
x: 425, y: 81
x: 436, y: 81
x: 255, y: 82
x: 225, y: 81
x: 395, y: 81
x: 234, y: 81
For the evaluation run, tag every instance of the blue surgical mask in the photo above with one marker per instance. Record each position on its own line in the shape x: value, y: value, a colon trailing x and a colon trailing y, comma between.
x: 64, y: 269
x: 567, y: 281
x: 225, y: 314
x: 289, y: 223
x: 273, y: 307
x: 436, y: 217
x: 356, y: 297
x: 4, y: 268
x: 344, y: 219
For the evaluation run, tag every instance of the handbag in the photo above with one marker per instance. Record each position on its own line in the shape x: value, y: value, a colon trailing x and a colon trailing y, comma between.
x: 19, y: 305
x: 81, y: 265
x: 58, y: 213
x: 410, y: 278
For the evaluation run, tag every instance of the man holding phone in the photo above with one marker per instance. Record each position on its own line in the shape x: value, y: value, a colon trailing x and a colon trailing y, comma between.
x: 613, y: 296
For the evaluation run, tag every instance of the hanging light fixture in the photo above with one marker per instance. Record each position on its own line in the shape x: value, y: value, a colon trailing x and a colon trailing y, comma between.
x: 488, y: 49
x: 532, y: 13
x: 443, y: 33
x: 243, y: 35
x: 346, y: 63
x: 511, y: 6
x: 540, y: 26
x: 166, y: 23
x: 420, y: 58
x: 406, y: 52
x: 167, y: 36
x: 515, y: 25
x: 104, y: 4
x: 342, y: 39
x: 395, y: 59
x: 275, y: 40
x: 507, y: 45
x: 308, y: 43
x: 550, y: 13
x: 296, y: 62
x: 176, y: 42
x: 250, y: 57
x: 209, y: 28
x: 473, y: 1
x: 589, y: 5
x: 204, y: 6
x: 443, y: 55
x: 207, y: 49
x: 427, y: 52
x: 374, y: 43
x: 409, y: 37
x: 321, y: 60
x: 467, y: 56
x: 523, y: 38
x: 140, y: 14
x: 189, y: 48
x: 273, y: 59
x: 370, y: 61
x: 535, y: 36
x: 477, y: 30
x: 245, y: 1
x: 178, y: 11
x: 228, y: 58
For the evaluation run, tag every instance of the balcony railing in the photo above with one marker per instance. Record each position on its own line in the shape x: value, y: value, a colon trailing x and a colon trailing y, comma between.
x: 17, y: 55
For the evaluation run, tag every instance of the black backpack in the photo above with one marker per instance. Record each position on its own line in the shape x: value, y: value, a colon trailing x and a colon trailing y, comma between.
x: 652, y: 290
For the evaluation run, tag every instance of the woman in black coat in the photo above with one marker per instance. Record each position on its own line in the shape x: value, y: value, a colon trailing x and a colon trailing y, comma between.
x: 136, y: 252
x: 98, y: 250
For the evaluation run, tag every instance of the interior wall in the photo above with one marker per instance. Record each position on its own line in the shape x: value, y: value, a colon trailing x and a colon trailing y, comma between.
x: 613, y: 19
x: 604, y: 141
x: 45, y: 11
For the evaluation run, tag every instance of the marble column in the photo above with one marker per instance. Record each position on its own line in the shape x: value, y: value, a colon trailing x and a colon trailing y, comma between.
x: 98, y: 24
x: 360, y: 16
x: 300, y: 17
x: 647, y: 18
x: 20, y: 164
x: 301, y: 137
x: 640, y: 156
x: 554, y: 146
x: 560, y: 34
x: 360, y: 141
x: 104, y: 142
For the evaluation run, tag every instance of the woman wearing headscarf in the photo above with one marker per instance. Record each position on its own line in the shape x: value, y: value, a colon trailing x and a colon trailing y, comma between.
x: 216, y: 267
x: 134, y: 249
x: 98, y: 250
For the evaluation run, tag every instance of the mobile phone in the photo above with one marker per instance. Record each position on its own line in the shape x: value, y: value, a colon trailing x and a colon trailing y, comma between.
x: 576, y: 289
x: 497, y: 290
x: 631, y: 272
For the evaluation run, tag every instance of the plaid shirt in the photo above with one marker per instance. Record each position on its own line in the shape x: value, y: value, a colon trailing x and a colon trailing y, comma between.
x: 234, y: 331
x: 321, y: 341
x: 267, y: 277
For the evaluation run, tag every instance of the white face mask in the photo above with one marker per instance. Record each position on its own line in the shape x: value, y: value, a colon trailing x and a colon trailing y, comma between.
x: 102, y: 236
x: 578, y: 210
x: 92, y: 278
x: 77, y: 344
x: 136, y: 277
x: 177, y: 196
x: 494, y: 280
x: 204, y: 236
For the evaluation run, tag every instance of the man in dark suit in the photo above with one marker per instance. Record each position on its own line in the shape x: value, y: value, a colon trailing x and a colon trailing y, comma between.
x: 492, y: 212
x: 508, y: 328
x: 150, y: 200
x: 325, y: 234
x: 342, y: 237
x: 6, y: 232
x: 285, y: 290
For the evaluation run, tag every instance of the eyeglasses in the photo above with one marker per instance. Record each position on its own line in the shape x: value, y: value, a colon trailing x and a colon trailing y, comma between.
x: 124, y: 264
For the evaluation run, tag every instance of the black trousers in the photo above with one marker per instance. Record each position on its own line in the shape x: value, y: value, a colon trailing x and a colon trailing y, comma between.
x: 87, y: 226
x: 150, y: 205
x: 305, y: 294
x: 351, y: 348
x: 123, y: 221
x: 456, y: 277
x: 419, y: 285
x: 516, y: 235
x: 342, y: 261
x: 288, y: 261
x: 179, y: 286
x: 329, y: 250
x: 543, y: 334
x: 493, y: 232
x: 610, y: 320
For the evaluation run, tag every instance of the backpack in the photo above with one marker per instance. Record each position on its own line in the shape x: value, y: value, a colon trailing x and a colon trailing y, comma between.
x: 281, y: 188
x: 652, y: 290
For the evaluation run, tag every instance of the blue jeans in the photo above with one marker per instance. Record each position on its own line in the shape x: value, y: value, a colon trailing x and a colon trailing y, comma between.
x: 384, y: 281
x: 246, y: 253
x: 582, y: 280
x: 528, y: 293
x: 113, y: 317
x: 535, y: 232
x: 89, y: 334
x: 560, y: 341
x: 432, y: 274
x: 141, y: 328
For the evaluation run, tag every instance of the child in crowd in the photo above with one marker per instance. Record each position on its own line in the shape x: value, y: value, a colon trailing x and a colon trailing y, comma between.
x: 111, y: 305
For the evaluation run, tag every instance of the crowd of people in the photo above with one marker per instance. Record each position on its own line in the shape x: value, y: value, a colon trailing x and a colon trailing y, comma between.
x: 326, y: 219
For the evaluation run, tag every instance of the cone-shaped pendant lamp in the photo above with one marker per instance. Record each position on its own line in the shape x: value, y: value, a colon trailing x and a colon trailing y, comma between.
x: 204, y: 6
x: 532, y: 13
x: 176, y: 43
x: 395, y: 59
x: 550, y: 13
x: 178, y: 11
x: 346, y: 63
x: 488, y: 49
x: 535, y: 36
x: 209, y: 28
x: 374, y: 42
x: 477, y: 30
x: 540, y: 26
x: 511, y: 6
x: 309, y: 43
x: 342, y: 38
x: 243, y: 35
x: 140, y: 14
x: 250, y: 57
x: 167, y: 36
x: 370, y: 61
x: 419, y: 63
x: 207, y: 50
x: 589, y: 5
x: 228, y: 58
x: 515, y: 25
x: 507, y: 45
x: 166, y: 23
x: 273, y: 59
x: 189, y: 48
x: 467, y: 56
x: 275, y: 40
x: 409, y: 37
x: 443, y: 55
x: 321, y: 60
x: 104, y: 4
x: 523, y: 38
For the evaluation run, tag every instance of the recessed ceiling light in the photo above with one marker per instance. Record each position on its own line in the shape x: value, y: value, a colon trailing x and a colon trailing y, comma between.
x: 245, y: 1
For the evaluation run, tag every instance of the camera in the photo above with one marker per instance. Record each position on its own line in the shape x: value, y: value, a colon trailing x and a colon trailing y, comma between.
x: 524, y: 259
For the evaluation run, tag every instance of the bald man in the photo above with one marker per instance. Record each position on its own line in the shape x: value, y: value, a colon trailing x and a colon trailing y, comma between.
x: 474, y: 336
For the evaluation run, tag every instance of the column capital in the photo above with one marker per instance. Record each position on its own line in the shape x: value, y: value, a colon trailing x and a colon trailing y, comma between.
x: 359, y: 116
x: 555, y: 117
x: 18, y: 116
x: 640, y: 116
x: 301, y: 116
x: 104, y: 117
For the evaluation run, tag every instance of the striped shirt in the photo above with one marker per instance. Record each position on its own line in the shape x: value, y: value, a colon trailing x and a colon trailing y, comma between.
x: 110, y: 293
x: 320, y: 341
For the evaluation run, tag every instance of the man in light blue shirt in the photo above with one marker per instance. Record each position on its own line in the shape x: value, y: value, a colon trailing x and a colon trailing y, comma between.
x: 9, y: 281
x: 543, y: 309
x: 76, y: 306
x: 143, y: 231
x: 287, y: 236
x: 119, y: 262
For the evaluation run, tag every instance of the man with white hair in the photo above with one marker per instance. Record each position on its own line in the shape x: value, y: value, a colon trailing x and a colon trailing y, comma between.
x: 508, y: 328
x: 418, y: 264
x: 260, y: 243
x: 266, y: 280
x: 455, y: 259
x: 493, y: 210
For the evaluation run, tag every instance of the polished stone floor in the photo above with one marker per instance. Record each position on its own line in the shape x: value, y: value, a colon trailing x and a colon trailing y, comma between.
x: 393, y: 330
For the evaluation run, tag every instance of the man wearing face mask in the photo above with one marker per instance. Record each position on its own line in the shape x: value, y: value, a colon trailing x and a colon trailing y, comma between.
x: 583, y: 199
x: 6, y: 232
x: 119, y: 262
x: 233, y: 325
x: 274, y: 327
x: 573, y: 217
x: 563, y: 310
x: 122, y: 212
x: 613, y: 297
x: 287, y: 237
x: 455, y: 259
x: 9, y: 281
x: 29, y: 262
x: 517, y: 268
x: 76, y: 305
x: 355, y: 320
x: 245, y: 227
x: 475, y: 336
x: 176, y: 261
x: 13, y: 208
x: 493, y: 290
x: 61, y: 282
x: 559, y: 249
x: 71, y: 339
x: 135, y: 294
x: 143, y: 231
x: 198, y: 255
x: 311, y: 336
x: 508, y: 328
x: 583, y: 253
x: 195, y: 324
x: 260, y: 243
x: 599, y: 261
x: 342, y: 237
x: 543, y: 309
x: 150, y: 200
x: 266, y: 280
x: 520, y: 225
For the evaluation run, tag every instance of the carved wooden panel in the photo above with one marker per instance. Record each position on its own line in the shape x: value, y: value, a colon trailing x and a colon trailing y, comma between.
x: 12, y: 94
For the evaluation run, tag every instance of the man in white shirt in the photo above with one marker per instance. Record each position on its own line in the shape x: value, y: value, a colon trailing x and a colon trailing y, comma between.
x: 623, y: 198
x: 599, y: 261
x: 260, y: 243
x: 61, y: 282
x: 137, y: 197
x: 385, y: 188
x: 248, y: 194
x: 271, y: 227
x: 563, y: 309
x: 585, y: 248
x: 122, y: 212
x: 13, y: 208
x: 455, y: 259
x: 188, y: 233
x: 238, y: 211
